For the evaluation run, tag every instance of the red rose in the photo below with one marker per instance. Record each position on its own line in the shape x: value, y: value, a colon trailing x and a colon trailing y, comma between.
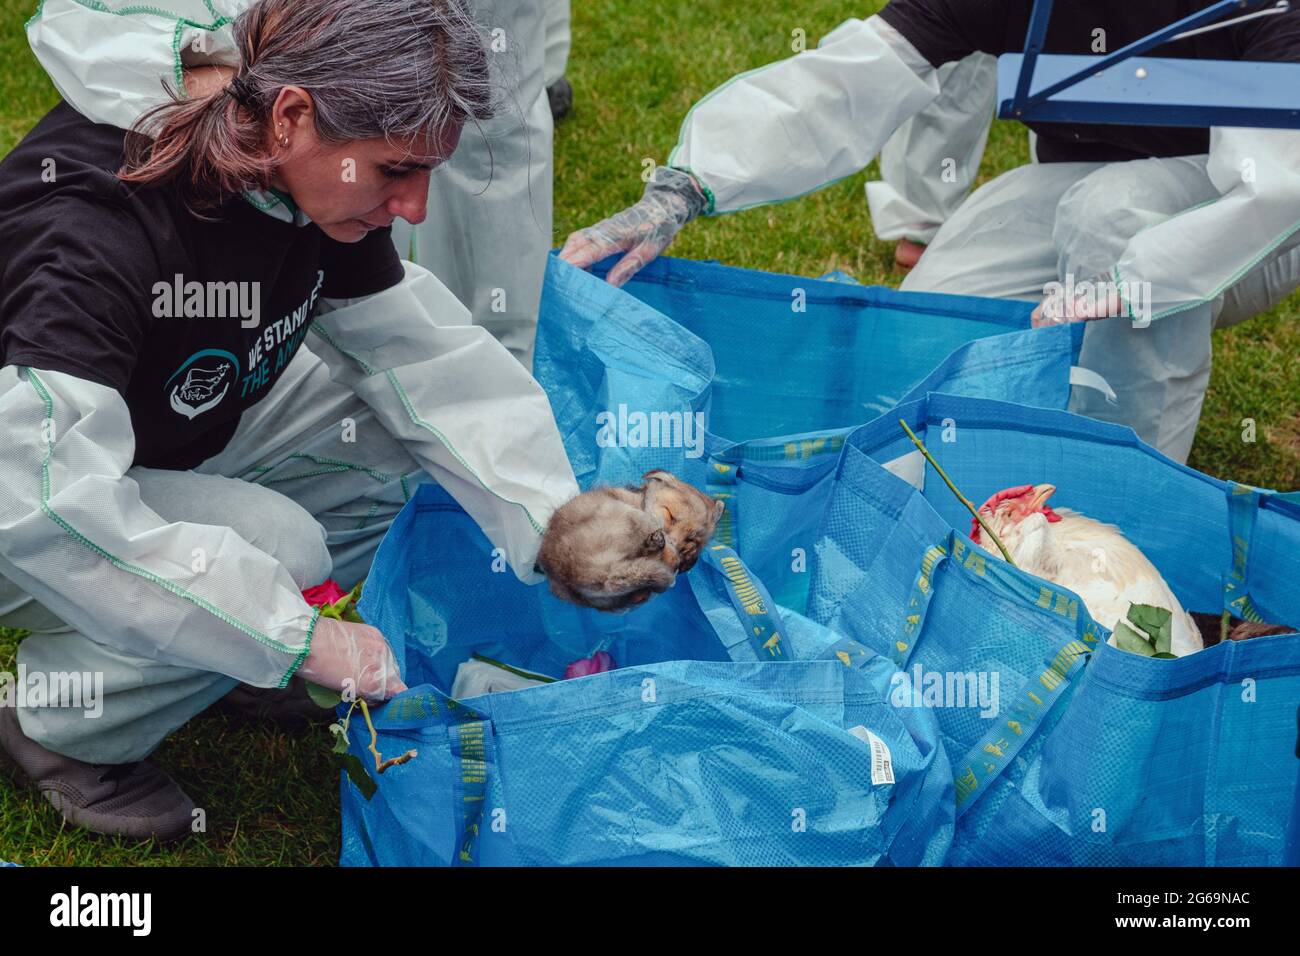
x: 326, y: 593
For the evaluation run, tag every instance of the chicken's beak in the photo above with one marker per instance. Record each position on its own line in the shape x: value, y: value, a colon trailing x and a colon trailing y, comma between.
x: 1041, y: 494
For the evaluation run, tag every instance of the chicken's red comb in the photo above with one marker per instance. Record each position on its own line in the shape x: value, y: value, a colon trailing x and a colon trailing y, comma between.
x: 1016, y: 492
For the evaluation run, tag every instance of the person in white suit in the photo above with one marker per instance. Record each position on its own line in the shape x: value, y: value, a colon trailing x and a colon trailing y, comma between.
x: 1202, y: 223
x: 927, y: 168
x: 180, y: 464
x: 489, y: 229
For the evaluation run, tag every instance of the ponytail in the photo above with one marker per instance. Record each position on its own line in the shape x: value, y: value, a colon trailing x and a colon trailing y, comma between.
x: 202, y: 144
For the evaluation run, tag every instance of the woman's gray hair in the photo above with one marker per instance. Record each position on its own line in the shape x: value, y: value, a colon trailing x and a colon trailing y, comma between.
x: 391, y: 68
x: 374, y: 68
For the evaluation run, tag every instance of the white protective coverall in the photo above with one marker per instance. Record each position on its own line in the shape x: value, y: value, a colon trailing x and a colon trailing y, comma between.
x: 559, y: 39
x: 489, y: 228
x: 928, y: 166
x: 1215, y: 246
x: 97, y: 557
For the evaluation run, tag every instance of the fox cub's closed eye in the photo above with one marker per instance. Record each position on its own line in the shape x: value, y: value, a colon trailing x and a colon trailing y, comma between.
x: 610, y: 548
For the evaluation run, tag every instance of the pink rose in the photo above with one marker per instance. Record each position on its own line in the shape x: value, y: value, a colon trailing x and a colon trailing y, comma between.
x: 597, y: 663
x: 326, y: 593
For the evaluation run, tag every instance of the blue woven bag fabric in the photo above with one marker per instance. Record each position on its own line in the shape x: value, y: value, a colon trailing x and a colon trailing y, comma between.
x: 760, y: 356
x: 840, y: 596
x: 694, y: 751
x: 1135, y: 760
x: 1158, y: 763
x: 680, y: 763
x: 768, y: 413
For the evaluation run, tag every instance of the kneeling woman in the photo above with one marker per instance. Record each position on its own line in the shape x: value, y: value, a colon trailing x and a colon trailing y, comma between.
x: 157, y: 289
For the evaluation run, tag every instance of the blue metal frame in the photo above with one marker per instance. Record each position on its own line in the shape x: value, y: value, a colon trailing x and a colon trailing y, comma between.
x: 1159, y: 91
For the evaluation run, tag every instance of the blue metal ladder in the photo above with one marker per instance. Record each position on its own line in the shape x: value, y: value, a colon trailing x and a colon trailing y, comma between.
x: 1123, y: 87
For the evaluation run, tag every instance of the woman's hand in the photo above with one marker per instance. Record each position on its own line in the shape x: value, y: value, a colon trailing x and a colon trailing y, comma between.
x: 1096, y: 299
x: 347, y: 656
x: 672, y: 198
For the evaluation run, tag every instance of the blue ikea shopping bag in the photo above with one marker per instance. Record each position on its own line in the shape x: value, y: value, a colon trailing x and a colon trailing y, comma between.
x: 1115, y: 758
x: 750, y: 398
x: 696, y: 750
x: 1048, y: 745
x: 763, y: 357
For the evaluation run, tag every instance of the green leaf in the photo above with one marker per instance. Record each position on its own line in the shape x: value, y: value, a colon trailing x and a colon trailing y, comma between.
x: 355, y: 596
x: 340, y: 738
x: 1156, y: 621
x: 1127, y: 639
x: 1166, y: 656
x: 323, y: 696
x: 1147, y: 616
x: 517, y: 671
x: 345, y: 608
x: 351, y: 765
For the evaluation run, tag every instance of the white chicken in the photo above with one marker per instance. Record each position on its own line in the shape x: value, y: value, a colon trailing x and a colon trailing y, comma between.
x: 1092, y: 559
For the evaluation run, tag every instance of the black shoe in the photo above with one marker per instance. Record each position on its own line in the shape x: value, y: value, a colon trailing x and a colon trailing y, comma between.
x: 291, y: 706
x: 133, y: 800
x: 560, y: 93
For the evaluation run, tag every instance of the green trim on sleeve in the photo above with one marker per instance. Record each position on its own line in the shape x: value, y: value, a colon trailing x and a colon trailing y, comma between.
x: 335, y: 466
x: 117, y: 562
x: 218, y: 21
x: 178, y: 69
x: 681, y: 130
x: 712, y: 210
x: 374, y: 509
x: 709, y: 205
x: 1227, y: 283
x: 306, y: 649
x: 415, y: 417
x: 324, y: 334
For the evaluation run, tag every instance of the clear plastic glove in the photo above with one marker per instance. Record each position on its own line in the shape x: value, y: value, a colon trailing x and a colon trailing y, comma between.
x: 346, y: 656
x: 1098, y: 298
x: 672, y: 199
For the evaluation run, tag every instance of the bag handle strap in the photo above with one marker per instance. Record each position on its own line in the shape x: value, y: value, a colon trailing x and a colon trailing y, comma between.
x: 723, y: 470
x: 995, y: 751
x: 758, y: 615
x: 471, y: 748
x: 721, y: 485
x: 1243, y: 509
x: 469, y: 736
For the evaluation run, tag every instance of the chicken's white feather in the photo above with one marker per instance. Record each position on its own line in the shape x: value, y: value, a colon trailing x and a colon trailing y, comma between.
x: 1098, y: 563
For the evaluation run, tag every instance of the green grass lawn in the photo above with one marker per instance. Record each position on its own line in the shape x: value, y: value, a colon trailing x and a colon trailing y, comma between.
x: 270, y: 796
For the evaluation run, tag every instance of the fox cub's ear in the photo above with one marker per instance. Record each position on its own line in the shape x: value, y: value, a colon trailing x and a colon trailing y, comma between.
x: 719, y: 506
x: 658, y: 474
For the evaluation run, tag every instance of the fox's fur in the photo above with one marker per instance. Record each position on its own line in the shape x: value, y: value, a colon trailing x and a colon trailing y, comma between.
x: 611, y: 548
